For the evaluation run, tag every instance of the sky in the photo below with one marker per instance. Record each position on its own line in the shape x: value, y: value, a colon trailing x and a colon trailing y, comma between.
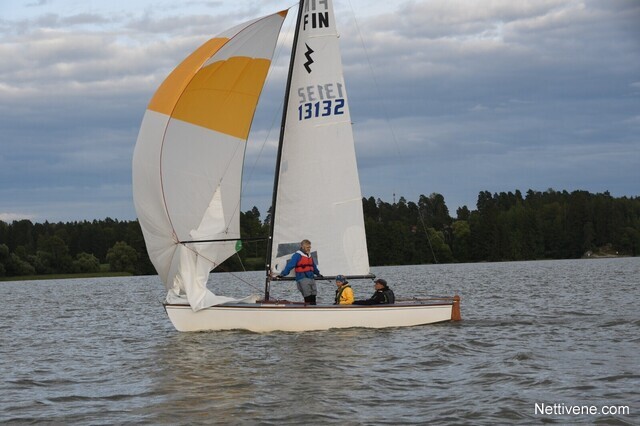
x: 452, y: 97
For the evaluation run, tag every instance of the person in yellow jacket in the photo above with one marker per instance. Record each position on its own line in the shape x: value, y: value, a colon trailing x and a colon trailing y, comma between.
x: 344, y: 293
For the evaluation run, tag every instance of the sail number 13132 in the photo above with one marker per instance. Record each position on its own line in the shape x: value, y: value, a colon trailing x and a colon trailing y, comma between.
x: 321, y: 100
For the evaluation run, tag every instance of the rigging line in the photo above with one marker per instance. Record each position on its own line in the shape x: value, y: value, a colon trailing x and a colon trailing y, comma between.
x: 241, y: 263
x: 222, y: 240
x: 382, y: 102
x: 424, y: 226
x: 375, y: 81
x: 219, y: 265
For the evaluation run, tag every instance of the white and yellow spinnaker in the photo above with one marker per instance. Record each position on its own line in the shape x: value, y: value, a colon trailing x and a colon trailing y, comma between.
x: 187, y: 164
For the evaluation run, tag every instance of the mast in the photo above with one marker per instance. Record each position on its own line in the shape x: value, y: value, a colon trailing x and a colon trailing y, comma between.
x: 267, y: 282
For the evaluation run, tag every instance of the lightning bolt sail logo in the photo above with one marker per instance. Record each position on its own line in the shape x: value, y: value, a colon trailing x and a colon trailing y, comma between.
x: 307, y: 65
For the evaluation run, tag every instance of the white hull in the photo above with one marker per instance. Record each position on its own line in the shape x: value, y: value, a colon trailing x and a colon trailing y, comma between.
x: 297, y: 317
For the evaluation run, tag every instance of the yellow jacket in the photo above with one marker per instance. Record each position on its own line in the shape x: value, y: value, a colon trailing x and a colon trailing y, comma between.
x: 344, y: 295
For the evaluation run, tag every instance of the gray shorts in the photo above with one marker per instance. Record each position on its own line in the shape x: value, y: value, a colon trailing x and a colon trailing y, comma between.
x: 307, y: 286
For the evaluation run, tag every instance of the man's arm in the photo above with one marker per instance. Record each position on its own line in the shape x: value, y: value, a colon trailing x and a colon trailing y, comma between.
x: 290, y: 264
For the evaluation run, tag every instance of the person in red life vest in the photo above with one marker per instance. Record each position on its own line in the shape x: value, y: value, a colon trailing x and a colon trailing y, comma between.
x: 344, y: 292
x: 306, y: 270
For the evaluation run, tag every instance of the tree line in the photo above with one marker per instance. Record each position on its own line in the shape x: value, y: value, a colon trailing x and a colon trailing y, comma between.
x: 505, y: 226
x: 28, y: 248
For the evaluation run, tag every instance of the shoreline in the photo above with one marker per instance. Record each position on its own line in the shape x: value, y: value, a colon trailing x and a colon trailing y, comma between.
x: 65, y: 276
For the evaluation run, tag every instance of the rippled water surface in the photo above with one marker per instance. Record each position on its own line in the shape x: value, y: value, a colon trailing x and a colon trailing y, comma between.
x: 102, y: 351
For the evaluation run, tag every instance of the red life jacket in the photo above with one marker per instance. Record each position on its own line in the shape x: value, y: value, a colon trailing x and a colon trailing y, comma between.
x: 305, y: 264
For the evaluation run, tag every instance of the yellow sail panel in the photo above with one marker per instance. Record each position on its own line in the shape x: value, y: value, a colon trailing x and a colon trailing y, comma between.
x: 165, y: 98
x: 223, y: 95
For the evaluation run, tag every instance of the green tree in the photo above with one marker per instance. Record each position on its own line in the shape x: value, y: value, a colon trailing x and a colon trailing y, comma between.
x: 16, y: 266
x: 21, y: 234
x: 461, y: 245
x: 485, y: 231
x: 463, y: 213
x: 86, y: 263
x: 56, y: 253
x: 122, y: 258
x: 630, y: 241
x: 41, y: 262
x: 4, y: 257
x: 434, y: 211
x: 251, y: 227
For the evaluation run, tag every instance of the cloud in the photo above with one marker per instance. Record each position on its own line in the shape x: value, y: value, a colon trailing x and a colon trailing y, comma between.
x: 38, y: 3
x: 453, y: 97
x: 10, y: 217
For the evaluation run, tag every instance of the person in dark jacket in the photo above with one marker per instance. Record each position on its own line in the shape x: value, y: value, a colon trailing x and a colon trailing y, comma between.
x: 383, y: 295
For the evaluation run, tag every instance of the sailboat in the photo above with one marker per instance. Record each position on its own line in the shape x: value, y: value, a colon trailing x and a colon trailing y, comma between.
x: 187, y: 180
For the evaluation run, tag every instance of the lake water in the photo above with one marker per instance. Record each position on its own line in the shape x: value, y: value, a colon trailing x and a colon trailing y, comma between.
x: 537, y: 339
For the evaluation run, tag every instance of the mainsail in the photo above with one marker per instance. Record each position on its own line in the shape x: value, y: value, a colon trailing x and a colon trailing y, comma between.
x: 187, y: 164
x: 318, y: 194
